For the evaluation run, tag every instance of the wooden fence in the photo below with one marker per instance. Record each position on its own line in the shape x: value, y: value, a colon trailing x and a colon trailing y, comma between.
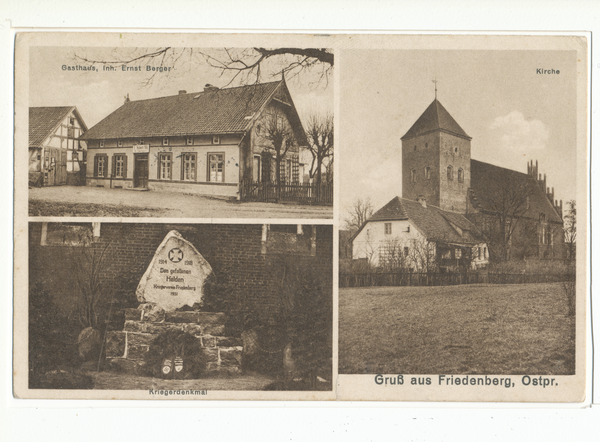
x: 270, y: 192
x: 436, y: 278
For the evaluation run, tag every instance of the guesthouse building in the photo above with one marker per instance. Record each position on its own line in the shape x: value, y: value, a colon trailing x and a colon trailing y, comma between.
x: 206, y: 142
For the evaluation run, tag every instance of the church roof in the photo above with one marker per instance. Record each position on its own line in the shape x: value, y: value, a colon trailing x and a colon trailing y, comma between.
x: 490, y: 185
x: 435, y: 223
x: 435, y: 117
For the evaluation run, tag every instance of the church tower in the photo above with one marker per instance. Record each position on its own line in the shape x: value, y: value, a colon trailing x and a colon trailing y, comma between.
x: 436, y: 160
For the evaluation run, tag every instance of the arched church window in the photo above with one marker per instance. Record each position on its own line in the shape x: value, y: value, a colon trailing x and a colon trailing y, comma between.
x: 461, y: 176
x: 427, y: 173
x: 450, y: 173
x: 413, y: 176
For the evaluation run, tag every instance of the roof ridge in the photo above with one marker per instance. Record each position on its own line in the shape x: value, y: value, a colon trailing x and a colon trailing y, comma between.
x: 504, y: 168
x: 203, y: 91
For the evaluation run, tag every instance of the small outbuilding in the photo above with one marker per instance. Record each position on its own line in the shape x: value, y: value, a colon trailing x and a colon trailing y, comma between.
x: 57, y: 155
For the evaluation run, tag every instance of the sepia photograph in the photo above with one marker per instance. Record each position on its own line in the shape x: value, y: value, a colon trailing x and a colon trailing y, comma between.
x: 458, y: 216
x: 181, y: 132
x: 193, y: 308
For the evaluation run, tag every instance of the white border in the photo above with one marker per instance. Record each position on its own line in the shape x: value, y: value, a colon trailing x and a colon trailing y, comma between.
x: 348, y: 421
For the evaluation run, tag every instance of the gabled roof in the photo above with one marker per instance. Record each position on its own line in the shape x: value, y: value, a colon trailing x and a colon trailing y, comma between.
x: 219, y: 111
x: 490, y: 183
x: 433, y: 222
x: 435, y: 117
x: 43, y: 121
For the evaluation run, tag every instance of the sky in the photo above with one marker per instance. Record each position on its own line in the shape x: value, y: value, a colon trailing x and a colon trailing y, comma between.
x: 98, y: 93
x: 512, y: 113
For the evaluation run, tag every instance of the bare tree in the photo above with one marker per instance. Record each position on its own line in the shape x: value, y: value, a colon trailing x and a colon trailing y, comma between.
x: 507, y: 207
x: 319, y: 132
x: 358, y: 214
x: 277, y: 140
x: 239, y: 65
x: 570, y: 229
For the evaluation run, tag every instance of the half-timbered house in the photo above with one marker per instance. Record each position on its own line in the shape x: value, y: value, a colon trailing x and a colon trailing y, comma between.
x: 57, y: 155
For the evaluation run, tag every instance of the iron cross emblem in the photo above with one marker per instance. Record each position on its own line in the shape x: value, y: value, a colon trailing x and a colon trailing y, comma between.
x: 175, y: 255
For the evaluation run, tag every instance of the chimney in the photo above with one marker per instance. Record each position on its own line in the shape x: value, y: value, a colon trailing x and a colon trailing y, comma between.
x: 210, y: 88
x: 422, y: 200
x: 182, y: 92
x: 127, y: 100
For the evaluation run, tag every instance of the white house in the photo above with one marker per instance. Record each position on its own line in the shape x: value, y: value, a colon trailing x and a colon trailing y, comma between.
x: 414, y: 235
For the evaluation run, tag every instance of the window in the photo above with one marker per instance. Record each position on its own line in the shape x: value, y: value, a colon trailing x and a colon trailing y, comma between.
x: 388, y: 228
x: 447, y: 254
x: 216, y: 139
x: 100, y: 161
x: 426, y: 145
x: 450, y: 173
x: 120, y: 143
x: 485, y: 254
x: 165, y: 141
x: 413, y: 176
x: 427, y: 173
x: 461, y: 176
x: 141, y: 141
x: 256, y: 175
x: 405, y: 251
x: 164, y: 166
x: 188, y: 166
x: 71, y: 121
x: 457, y: 253
x: 101, y: 143
x: 189, y: 141
x: 415, y: 147
x: 456, y: 150
x: 120, y: 166
x: 288, y: 171
x: 216, y: 167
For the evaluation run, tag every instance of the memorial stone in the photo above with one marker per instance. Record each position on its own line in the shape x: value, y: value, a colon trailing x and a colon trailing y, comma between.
x: 176, y: 275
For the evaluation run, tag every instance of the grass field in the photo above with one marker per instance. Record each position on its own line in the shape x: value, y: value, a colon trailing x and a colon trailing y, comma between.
x: 466, y: 329
x: 44, y: 208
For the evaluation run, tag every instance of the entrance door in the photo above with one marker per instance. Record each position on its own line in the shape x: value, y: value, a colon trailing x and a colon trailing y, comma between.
x: 140, y: 172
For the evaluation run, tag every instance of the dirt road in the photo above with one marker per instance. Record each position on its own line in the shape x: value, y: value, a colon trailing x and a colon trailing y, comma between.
x: 161, y: 204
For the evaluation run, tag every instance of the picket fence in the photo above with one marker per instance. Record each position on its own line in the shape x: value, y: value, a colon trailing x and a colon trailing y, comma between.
x: 437, y: 278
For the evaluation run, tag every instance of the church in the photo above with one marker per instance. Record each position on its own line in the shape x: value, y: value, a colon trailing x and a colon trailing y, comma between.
x: 511, y: 214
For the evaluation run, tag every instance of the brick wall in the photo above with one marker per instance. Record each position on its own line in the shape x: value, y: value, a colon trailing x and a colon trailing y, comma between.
x: 233, y: 250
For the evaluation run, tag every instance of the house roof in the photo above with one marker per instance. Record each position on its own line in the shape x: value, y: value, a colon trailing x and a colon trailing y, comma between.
x: 219, y: 111
x: 490, y: 185
x: 435, y: 223
x: 43, y: 122
x: 435, y: 117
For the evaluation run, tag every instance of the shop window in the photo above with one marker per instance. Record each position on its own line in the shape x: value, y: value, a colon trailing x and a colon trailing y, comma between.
x: 188, y: 167
x: 216, y: 167
x: 164, y: 166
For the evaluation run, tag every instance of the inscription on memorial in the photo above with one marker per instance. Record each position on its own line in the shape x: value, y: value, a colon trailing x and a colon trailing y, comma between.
x: 175, y: 276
